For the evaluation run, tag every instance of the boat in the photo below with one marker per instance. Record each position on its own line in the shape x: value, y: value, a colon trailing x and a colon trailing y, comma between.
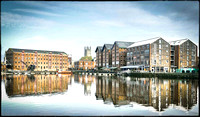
x: 64, y: 72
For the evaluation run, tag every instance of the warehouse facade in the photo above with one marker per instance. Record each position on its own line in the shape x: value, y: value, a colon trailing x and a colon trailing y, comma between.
x: 43, y: 60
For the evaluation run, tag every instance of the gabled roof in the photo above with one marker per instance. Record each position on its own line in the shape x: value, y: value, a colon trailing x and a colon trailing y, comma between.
x: 122, y: 44
x: 178, y: 42
x: 144, y: 42
x: 98, y: 48
x: 107, y: 46
x: 33, y: 51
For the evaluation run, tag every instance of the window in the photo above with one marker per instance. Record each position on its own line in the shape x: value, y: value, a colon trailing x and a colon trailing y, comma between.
x: 160, y: 61
x: 159, y: 57
x: 166, y: 61
x: 160, y: 41
x: 166, y: 45
x: 193, y: 63
x: 159, y: 51
x: 160, y: 46
x: 166, y: 50
x: 147, y: 46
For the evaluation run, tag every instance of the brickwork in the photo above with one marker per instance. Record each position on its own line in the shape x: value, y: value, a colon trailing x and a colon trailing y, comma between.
x: 42, y: 61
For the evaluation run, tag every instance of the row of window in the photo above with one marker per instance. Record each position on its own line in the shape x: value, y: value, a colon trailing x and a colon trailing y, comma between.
x: 85, y: 63
x: 41, y: 58
x: 39, y: 55
x: 44, y: 67
x: 41, y: 62
x: 193, y: 63
x: 160, y: 62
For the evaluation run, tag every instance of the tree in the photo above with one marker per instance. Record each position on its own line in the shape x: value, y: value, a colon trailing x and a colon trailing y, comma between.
x: 89, y: 58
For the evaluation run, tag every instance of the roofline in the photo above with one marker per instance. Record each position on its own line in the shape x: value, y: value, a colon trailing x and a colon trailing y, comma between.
x: 122, y: 41
x: 179, y: 40
x: 36, y: 50
x: 97, y: 48
x: 149, y: 39
x: 104, y: 46
x: 146, y: 40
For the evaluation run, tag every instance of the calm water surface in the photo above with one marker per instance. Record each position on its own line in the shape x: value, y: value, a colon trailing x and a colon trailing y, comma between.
x: 95, y: 95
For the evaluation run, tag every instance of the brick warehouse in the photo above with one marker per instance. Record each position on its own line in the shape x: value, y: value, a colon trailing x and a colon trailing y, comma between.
x: 154, y: 55
x: 42, y: 59
x: 150, y: 55
x: 84, y: 65
x: 183, y: 54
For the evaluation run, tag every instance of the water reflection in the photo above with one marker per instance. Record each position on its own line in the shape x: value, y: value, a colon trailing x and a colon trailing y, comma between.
x: 153, y: 92
x: 23, y: 85
x: 85, y: 80
x: 150, y: 92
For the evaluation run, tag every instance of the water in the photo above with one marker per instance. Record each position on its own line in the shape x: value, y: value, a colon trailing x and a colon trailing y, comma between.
x: 94, y: 95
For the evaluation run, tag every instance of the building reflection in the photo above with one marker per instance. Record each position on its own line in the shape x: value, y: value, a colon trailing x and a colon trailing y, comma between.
x: 154, y: 92
x: 22, y: 85
x: 85, y: 80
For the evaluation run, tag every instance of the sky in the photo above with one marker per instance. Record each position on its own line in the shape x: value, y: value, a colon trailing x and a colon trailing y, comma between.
x: 70, y: 26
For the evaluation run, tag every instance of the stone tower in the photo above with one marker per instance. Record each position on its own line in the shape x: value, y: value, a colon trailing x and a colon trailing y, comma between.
x: 87, y: 51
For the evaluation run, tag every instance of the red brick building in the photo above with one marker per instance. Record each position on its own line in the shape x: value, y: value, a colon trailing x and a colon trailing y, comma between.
x: 20, y: 59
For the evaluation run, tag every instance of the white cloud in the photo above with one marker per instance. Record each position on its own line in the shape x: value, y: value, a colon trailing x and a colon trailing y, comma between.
x: 38, y: 12
x: 109, y: 23
x: 16, y: 20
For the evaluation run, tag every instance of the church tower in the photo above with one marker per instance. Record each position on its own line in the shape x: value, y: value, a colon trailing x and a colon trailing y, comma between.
x: 87, y: 51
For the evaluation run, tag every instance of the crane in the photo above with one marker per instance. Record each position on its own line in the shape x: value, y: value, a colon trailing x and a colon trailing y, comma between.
x: 29, y: 68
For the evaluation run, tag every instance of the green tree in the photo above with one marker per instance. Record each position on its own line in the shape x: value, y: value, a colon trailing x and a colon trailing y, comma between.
x: 89, y: 58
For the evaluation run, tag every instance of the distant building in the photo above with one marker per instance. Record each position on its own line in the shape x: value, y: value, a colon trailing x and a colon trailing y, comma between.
x: 42, y: 59
x: 87, y: 51
x: 183, y: 54
x: 84, y: 65
x: 70, y: 64
x: 99, y: 57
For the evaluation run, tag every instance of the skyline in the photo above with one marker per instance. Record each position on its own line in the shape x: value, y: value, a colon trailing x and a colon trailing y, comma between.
x: 70, y: 26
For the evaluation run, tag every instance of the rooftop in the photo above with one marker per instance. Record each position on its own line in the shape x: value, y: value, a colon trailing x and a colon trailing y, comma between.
x: 144, y: 42
x: 178, y: 42
x: 98, y: 47
x: 123, y: 44
x: 33, y: 51
x: 108, y: 46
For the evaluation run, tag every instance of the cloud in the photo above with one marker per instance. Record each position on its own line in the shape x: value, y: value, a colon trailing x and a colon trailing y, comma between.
x: 13, y: 20
x: 109, y: 23
x: 38, y: 12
